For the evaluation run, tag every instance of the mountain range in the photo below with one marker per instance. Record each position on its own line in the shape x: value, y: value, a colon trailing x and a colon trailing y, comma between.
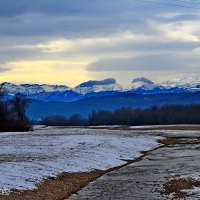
x: 46, y: 100
x: 62, y: 93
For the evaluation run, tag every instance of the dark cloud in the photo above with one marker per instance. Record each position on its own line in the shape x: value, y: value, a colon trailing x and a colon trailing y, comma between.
x: 144, y: 46
x: 71, y: 7
x: 158, y: 62
x: 37, y: 24
x: 10, y: 8
x: 79, y: 18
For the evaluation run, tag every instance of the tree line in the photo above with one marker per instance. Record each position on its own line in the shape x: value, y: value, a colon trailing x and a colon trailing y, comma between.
x: 12, y: 113
x: 164, y: 115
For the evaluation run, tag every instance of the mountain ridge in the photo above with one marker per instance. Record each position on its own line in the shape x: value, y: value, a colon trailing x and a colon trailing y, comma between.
x: 39, y: 110
x: 142, y: 85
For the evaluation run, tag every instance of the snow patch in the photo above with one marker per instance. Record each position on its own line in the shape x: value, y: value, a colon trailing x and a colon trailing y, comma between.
x: 28, y: 158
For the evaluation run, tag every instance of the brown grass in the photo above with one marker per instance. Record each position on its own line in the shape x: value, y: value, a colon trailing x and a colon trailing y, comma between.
x: 168, y: 141
x: 56, y: 189
x: 171, y: 127
x: 176, y: 187
x: 65, y: 184
x: 143, y: 128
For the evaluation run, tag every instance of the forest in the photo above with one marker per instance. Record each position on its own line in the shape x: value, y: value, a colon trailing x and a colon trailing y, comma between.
x: 164, y: 115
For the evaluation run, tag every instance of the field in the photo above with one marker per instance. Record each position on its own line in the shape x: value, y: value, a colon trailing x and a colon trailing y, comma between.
x: 54, y: 162
x: 28, y: 158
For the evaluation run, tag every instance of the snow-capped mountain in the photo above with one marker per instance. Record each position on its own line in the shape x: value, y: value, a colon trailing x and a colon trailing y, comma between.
x: 183, y: 84
x: 45, y: 92
x: 29, y: 89
x: 190, y: 83
x: 65, y: 96
x: 106, y: 85
x: 142, y: 83
x: 108, y: 81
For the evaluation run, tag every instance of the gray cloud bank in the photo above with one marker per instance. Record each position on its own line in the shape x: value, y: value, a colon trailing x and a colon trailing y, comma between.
x: 163, y: 62
x: 78, y: 18
x: 165, y: 37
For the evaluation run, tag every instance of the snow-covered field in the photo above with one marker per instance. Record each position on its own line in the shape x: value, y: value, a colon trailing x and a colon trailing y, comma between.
x: 28, y: 158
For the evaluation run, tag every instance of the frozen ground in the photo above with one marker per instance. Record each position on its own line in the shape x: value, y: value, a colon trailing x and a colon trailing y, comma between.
x: 28, y: 158
x: 146, y: 178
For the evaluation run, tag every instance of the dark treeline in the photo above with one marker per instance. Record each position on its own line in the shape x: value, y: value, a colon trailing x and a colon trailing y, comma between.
x: 56, y: 120
x: 12, y: 113
x: 172, y: 114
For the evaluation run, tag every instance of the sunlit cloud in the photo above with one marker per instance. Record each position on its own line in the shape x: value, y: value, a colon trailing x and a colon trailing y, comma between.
x: 46, y: 72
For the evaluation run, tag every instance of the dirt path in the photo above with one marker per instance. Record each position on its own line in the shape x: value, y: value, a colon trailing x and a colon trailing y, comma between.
x: 166, y: 173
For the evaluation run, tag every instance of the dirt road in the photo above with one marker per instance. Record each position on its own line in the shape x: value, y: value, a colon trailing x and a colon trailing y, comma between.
x: 170, y: 172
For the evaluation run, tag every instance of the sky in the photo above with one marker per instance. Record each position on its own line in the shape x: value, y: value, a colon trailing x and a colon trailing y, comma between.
x: 72, y: 41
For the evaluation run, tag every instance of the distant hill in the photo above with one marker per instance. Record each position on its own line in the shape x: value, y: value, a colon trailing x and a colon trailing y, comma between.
x: 106, y: 94
x: 39, y: 109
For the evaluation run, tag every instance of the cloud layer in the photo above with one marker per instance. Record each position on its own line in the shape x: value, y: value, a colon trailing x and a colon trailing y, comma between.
x: 97, y: 38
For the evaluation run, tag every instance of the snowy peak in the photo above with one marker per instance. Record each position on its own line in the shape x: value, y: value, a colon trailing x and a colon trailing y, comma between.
x: 45, y: 92
x: 99, y: 88
x: 28, y: 89
x: 142, y: 83
x: 106, y: 85
x: 142, y: 80
x: 92, y: 83
x: 188, y: 80
x: 191, y: 82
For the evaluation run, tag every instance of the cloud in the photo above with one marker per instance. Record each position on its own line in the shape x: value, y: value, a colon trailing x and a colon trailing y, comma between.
x: 158, y: 62
x: 109, y: 34
x: 71, y: 7
x: 122, y: 45
x: 176, y: 17
x: 75, y: 18
x: 112, y: 44
x: 4, y: 69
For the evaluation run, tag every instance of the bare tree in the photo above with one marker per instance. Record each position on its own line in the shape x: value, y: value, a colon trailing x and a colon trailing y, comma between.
x: 2, y: 92
x: 19, y: 105
x: 12, y: 113
x: 3, y: 106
